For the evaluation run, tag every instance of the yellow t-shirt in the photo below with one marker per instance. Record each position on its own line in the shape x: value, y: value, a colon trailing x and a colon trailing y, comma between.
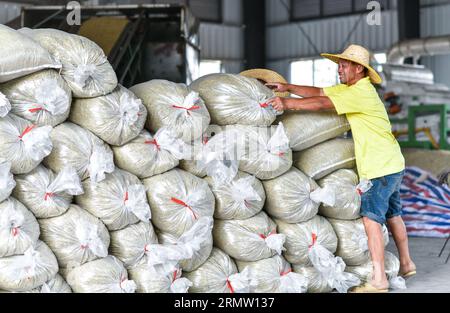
x: 377, y: 151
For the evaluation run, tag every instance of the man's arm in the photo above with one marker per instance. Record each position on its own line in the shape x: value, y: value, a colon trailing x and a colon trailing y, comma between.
x: 302, y: 91
x: 307, y: 104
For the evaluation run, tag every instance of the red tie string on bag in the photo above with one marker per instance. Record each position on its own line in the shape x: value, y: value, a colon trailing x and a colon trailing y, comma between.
x: 192, y: 108
x: 314, y: 240
x: 153, y: 142
x: 15, y: 231
x: 126, y: 197
x: 48, y: 195
x: 180, y: 202
x: 26, y: 131
x: 286, y: 272
x: 273, y: 232
x: 264, y: 105
x: 229, y: 286
x: 174, y: 276
x: 34, y: 110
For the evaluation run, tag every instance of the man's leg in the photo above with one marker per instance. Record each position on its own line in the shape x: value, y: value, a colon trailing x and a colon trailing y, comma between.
x: 376, y: 247
x: 398, y: 230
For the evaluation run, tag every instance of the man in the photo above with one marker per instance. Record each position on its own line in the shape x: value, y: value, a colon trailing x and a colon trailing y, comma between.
x: 378, y: 155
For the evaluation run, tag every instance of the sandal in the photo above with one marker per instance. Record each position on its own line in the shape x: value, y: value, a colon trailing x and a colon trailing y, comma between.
x: 368, y: 288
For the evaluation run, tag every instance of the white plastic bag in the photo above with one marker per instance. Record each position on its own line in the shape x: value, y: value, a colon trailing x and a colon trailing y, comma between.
x: 19, y: 229
x: 148, y: 280
x: 173, y: 106
x: 119, y: 200
x: 20, y: 55
x: 300, y: 236
x: 235, y: 99
x: 23, y: 144
x: 76, y: 237
x: 24, y: 272
x: 218, y: 274
x: 326, y: 158
x: 241, y: 198
x: 55, y: 285
x: 332, y: 268
x: 197, y: 243
x: 42, y: 98
x: 273, y: 275
x: 177, y: 200
x: 148, y: 155
x: 190, y: 164
x: 45, y: 193
x: 263, y: 151
x: 5, y: 105
x: 85, y: 67
x: 116, y: 118
x: 251, y: 239
x: 7, y: 182
x: 307, y: 129
x: 80, y: 149
x: 347, y: 204
x: 316, y: 282
x: 288, y: 197
x: 364, y: 271
x: 106, y: 275
x: 131, y: 243
x: 352, y: 241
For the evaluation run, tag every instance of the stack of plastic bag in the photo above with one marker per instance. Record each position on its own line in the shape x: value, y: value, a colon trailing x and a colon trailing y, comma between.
x: 116, y: 118
x: 235, y: 99
x: 326, y: 158
x: 252, y: 239
x: 189, y: 163
x: 175, y: 107
x: 76, y: 237
x: 76, y: 147
x: 263, y: 151
x: 20, y: 55
x: 131, y: 243
x: 85, y: 67
x: 308, y: 129
x: 352, y: 241
x: 45, y: 193
x: 177, y: 200
x: 289, y: 197
x: 118, y: 201
x: 55, y: 285
x: 23, y: 144
x: 106, y: 275
x: 28, y: 270
x: 148, y: 155
x: 43, y: 98
x: 316, y: 282
x: 344, y: 185
x: 241, y: 198
x: 273, y: 275
x: 219, y: 274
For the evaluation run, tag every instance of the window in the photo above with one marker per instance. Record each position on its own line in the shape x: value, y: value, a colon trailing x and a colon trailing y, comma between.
x: 314, y: 72
x: 313, y: 9
x: 379, y: 60
x: 205, y: 10
x: 210, y: 67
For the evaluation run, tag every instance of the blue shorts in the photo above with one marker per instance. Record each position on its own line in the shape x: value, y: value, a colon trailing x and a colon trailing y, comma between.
x: 382, y: 200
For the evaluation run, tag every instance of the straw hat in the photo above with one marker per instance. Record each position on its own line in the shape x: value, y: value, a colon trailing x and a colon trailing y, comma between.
x: 358, y: 55
x: 267, y: 76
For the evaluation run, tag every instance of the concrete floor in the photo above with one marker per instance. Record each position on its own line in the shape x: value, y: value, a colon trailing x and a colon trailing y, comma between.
x: 433, y: 275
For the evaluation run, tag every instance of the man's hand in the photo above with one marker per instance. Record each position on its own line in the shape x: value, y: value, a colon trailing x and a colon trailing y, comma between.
x: 278, y: 87
x: 278, y: 103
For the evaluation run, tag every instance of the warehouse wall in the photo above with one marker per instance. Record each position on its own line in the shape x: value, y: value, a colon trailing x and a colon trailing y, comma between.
x: 435, y: 22
x: 286, y: 41
x: 8, y: 11
x: 225, y: 41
